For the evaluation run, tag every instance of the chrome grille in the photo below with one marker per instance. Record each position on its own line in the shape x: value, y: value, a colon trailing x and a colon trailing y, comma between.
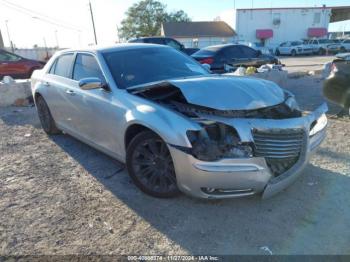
x: 281, y: 148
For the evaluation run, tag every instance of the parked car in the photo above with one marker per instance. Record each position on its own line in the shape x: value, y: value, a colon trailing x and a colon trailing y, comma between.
x: 224, y: 58
x: 345, y: 45
x: 324, y: 46
x: 257, y: 46
x: 337, y: 86
x: 16, y: 66
x: 165, y: 41
x: 293, y: 48
x: 178, y: 127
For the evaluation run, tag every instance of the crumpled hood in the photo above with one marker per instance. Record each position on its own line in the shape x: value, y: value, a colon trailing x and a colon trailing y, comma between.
x: 230, y: 92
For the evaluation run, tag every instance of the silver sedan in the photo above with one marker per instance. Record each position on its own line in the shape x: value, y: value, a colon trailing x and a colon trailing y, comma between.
x: 177, y: 127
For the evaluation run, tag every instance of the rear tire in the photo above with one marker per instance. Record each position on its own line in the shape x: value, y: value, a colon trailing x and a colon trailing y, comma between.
x: 150, y: 165
x: 47, y: 122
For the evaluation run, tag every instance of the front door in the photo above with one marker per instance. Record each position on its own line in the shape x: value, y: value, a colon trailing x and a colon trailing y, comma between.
x: 96, y: 112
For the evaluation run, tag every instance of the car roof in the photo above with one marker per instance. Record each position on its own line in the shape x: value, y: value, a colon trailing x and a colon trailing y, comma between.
x: 151, y: 37
x: 219, y: 47
x: 116, y: 47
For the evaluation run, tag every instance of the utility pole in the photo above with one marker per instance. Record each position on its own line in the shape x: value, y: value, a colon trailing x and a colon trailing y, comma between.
x: 8, y: 35
x: 1, y: 41
x: 46, y: 50
x: 93, y: 21
x: 56, y: 37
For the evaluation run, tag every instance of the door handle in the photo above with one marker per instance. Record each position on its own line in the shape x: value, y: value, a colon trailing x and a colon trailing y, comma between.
x: 70, y: 92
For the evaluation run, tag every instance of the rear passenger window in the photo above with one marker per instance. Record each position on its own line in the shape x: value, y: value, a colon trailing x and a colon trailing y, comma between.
x: 173, y: 44
x: 233, y: 52
x: 63, y: 65
x: 248, y: 52
x: 86, y: 66
x: 158, y: 41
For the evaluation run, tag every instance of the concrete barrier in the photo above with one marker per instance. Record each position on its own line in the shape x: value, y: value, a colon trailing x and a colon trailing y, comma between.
x: 17, y: 93
x: 277, y: 76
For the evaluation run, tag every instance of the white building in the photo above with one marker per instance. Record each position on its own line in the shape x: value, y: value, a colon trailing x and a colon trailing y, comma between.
x: 199, y: 34
x: 273, y: 26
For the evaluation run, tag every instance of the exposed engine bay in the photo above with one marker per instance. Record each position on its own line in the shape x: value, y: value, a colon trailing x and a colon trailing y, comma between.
x: 216, y: 140
x: 172, y: 97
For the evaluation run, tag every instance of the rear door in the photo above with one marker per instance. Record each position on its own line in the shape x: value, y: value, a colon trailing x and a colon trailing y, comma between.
x: 252, y: 56
x: 59, y: 83
x: 234, y: 56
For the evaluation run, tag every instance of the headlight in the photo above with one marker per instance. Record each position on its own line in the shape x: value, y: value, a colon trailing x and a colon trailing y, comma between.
x: 320, y: 125
x: 217, y: 141
x: 292, y: 103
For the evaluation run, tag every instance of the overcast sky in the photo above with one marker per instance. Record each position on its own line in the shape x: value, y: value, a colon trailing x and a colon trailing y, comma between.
x: 30, y: 21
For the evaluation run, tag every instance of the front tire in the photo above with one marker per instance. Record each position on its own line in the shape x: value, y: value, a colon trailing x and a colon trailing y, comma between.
x: 150, y: 165
x: 45, y: 117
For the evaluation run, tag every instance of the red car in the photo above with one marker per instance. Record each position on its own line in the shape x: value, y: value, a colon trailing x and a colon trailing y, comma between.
x: 16, y: 66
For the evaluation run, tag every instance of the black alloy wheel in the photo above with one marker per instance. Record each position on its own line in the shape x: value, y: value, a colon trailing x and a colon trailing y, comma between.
x: 150, y: 165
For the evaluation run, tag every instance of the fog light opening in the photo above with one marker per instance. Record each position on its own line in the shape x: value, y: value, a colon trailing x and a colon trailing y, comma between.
x: 222, y: 191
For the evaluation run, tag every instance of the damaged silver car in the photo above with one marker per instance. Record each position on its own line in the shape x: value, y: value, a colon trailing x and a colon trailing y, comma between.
x: 177, y: 127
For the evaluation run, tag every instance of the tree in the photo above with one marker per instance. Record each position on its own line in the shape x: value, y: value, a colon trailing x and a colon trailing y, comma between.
x: 146, y: 17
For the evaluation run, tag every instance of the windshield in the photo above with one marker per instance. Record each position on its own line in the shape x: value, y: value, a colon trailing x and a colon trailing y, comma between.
x: 145, y: 65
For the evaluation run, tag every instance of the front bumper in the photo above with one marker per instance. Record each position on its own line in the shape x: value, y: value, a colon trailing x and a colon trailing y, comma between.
x: 244, y: 176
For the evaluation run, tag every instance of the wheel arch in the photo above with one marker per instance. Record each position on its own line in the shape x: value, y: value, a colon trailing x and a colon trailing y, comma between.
x: 133, y: 130
x: 36, y: 95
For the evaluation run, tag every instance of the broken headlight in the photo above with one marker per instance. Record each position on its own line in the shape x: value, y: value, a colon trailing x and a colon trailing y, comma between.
x: 217, y: 141
x: 320, y: 125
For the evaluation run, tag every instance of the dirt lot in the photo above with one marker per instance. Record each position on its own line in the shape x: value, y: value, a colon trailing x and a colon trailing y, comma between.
x: 305, y: 63
x: 59, y: 196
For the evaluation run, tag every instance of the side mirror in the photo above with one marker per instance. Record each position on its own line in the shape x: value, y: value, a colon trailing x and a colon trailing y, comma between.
x: 91, y: 83
x: 206, y: 66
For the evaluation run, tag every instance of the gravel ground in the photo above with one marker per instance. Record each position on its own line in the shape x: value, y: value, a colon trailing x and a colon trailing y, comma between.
x: 59, y: 196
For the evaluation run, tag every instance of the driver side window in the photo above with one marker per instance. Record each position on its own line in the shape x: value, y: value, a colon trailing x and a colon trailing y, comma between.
x: 173, y: 44
x: 86, y: 66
